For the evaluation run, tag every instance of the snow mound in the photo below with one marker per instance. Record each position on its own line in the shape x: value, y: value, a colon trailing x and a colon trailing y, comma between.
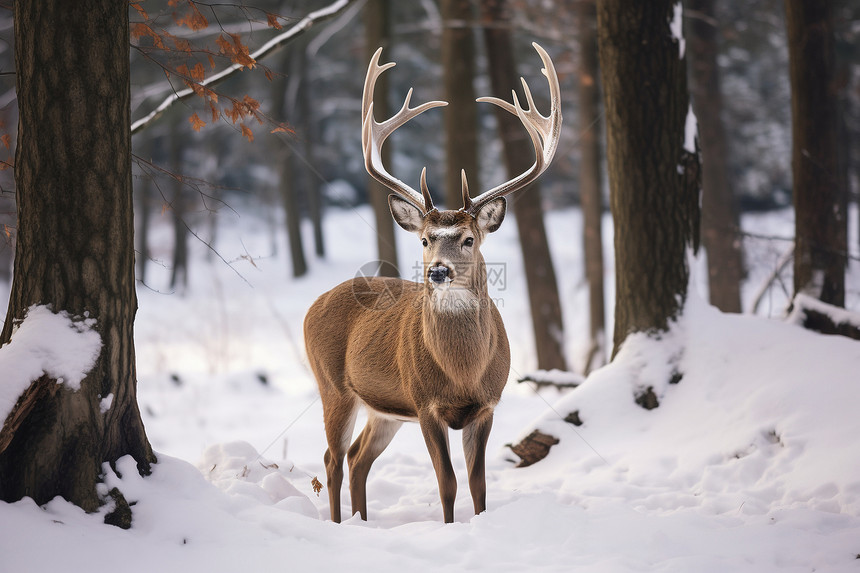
x: 753, y: 417
x: 46, y: 343
x: 239, y: 470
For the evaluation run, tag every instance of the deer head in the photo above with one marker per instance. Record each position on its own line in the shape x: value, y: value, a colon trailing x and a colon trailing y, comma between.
x: 451, y: 239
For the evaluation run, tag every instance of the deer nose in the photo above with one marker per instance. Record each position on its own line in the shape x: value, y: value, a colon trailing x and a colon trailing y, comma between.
x: 438, y: 274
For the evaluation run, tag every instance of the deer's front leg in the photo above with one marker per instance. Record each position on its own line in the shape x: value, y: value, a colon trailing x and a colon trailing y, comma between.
x: 436, y: 436
x: 475, y: 437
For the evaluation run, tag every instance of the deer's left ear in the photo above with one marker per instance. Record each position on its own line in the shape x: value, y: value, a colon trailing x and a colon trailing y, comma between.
x: 491, y: 214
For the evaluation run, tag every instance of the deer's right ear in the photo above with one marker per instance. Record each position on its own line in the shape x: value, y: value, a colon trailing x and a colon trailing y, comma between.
x: 407, y: 215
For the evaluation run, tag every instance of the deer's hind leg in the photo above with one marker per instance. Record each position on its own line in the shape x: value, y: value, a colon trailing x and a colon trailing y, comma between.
x: 374, y: 438
x: 339, y: 413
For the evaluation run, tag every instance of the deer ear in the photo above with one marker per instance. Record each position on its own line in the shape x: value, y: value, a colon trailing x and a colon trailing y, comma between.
x: 491, y: 215
x: 407, y: 215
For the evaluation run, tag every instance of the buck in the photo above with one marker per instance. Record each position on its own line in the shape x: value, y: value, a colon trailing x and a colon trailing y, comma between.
x: 434, y: 352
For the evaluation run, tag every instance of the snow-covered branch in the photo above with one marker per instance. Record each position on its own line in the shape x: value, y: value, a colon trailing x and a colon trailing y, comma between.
x: 267, y: 49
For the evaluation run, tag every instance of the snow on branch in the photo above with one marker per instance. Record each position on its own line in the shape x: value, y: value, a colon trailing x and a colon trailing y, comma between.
x: 267, y: 49
x: 47, y: 350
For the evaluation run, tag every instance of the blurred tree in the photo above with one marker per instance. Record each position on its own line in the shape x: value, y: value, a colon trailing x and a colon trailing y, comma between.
x: 820, y: 199
x: 461, y: 118
x: 518, y: 152
x: 179, y: 209
x: 720, y: 222
x: 590, y: 180
x: 653, y: 168
x: 284, y: 158
x: 75, y: 247
x: 143, y: 192
x: 378, y: 33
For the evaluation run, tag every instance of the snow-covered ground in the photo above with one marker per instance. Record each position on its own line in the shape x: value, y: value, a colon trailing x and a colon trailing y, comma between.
x: 749, y: 464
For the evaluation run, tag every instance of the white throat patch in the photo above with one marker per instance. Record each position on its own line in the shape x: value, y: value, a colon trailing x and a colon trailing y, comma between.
x: 452, y: 298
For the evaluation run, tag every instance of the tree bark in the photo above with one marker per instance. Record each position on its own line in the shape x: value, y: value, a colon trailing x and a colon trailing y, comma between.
x: 519, y: 153
x: 75, y: 247
x: 654, y: 190
x: 590, y: 181
x: 720, y: 223
x: 378, y: 33
x: 820, y: 198
x: 461, y: 118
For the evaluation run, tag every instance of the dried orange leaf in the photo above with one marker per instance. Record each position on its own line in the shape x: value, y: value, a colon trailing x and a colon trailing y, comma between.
x: 246, y: 132
x: 272, y: 21
x: 196, y: 122
x: 140, y: 10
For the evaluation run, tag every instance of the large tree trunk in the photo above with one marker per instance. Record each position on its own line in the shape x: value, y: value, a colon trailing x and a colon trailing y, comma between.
x: 75, y: 246
x: 519, y: 156
x: 720, y: 224
x: 653, y: 178
x: 461, y: 118
x: 819, y: 194
x: 378, y: 33
x: 590, y: 181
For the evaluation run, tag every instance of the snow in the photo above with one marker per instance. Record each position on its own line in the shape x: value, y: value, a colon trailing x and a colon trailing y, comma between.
x: 676, y: 26
x: 749, y: 464
x: 691, y: 130
x: 803, y: 302
x: 46, y: 343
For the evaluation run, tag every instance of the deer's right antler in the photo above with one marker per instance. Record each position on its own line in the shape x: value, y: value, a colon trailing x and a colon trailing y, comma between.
x: 543, y: 130
x: 374, y: 134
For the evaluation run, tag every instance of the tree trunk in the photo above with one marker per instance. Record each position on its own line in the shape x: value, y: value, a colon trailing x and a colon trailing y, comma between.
x: 720, y: 224
x: 179, y: 212
x: 519, y: 153
x: 7, y: 242
x: 820, y: 199
x: 378, y: 33
x: 653, y: 177
x: 75, y: 246
x: 461, y: 118
x: 312, y: 189
x: 287, y: 185
x: 293, y: 218
x: 143, y: 191
x: 590, y: 181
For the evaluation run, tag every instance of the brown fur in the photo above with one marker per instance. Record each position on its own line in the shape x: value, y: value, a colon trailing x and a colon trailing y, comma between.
x: 411, y: 351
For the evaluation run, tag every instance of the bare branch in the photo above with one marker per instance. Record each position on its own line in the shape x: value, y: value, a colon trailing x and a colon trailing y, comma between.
x: 268, y: 48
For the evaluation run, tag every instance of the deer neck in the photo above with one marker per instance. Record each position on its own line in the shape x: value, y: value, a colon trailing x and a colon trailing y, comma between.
x: 459, y: 328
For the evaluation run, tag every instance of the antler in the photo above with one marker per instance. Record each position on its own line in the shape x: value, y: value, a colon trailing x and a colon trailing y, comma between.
x: 374, y: 134
x: 543, y: 130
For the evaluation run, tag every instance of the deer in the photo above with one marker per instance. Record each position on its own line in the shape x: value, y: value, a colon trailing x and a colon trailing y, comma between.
x: 433, y: 352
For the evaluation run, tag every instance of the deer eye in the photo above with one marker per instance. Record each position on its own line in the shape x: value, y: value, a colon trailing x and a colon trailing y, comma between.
x: 469, y: 242
x: 424, y: 241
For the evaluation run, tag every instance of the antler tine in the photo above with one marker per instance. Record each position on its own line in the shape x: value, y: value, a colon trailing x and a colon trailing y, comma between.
x: 543, y: 130
x: 374, y: 134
